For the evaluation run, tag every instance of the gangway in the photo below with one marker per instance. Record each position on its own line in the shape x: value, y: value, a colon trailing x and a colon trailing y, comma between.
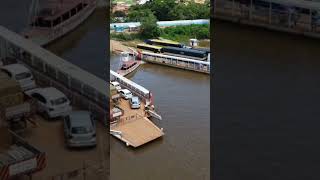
x: 132, y: 86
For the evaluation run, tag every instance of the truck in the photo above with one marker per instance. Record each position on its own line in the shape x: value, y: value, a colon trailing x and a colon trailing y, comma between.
x: 15, y: 107
x: 18, y: 157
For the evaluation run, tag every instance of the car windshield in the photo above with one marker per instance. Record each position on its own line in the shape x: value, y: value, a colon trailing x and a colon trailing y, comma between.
x: 81, y: 130
x: 24, y: 75
x: 59, y: 101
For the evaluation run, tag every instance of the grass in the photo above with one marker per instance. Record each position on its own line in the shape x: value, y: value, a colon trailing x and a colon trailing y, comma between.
x: 130, y: 2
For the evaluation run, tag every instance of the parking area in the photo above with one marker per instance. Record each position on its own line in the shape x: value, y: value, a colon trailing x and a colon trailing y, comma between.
x: 63, y: 162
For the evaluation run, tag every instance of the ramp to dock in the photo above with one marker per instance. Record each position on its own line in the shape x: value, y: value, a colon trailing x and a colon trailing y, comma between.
x: 134, y: 128
x: 137, y: 132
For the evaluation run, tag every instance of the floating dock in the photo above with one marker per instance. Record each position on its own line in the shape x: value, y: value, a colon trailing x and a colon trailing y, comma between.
x: 293, y: 16
x: 177, y: 62
x: 134, y: 127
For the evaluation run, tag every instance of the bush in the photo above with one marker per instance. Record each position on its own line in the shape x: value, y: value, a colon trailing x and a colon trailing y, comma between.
x: 184, y: 33
x: 149, y: 27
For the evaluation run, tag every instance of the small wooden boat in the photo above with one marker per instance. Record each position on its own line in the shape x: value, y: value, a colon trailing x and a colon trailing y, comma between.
x: 128, y: 64
x: 52, y: 19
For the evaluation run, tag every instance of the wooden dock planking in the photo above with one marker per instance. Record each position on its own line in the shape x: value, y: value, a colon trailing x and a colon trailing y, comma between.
x: 135, y: 128
x: 138, y: 132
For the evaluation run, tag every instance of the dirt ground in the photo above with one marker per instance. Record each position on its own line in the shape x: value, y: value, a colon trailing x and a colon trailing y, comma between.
x: 117, y: 46
x: 65, y: 163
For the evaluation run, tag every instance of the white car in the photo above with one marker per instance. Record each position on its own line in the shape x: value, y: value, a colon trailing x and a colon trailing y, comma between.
x: 51, y: 102
x: 21, y: 74
x: 134, y: 102
x: 116, y: 85
x: 125, y: 93
x: 80, y: 129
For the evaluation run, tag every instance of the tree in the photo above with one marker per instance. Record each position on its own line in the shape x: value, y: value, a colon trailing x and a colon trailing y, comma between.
x: 119, y: 14
x: 149, y: 27
x: 137, y: 14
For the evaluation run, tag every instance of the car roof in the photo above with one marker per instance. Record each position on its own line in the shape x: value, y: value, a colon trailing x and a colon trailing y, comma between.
x: 125, y: 91
x: 49, y: 92
x: 135, y: 98
x: 16, y: 68
x: 80, y: 118
x: 115, y: 83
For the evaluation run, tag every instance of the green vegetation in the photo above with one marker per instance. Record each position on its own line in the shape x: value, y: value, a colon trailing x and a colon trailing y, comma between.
x: 184, y: 33
x: 130, y: 2
x: 179, y: 33
x: 125, y: 36
x: 149, y: 27
x: 165, y: 10
x: 169, y: 10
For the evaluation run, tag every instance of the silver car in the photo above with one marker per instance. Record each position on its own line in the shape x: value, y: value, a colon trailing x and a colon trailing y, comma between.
x: 80, y: 129
x: 134, y: 102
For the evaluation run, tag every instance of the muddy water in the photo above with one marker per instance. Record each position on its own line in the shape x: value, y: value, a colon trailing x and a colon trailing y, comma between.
x: 182, y: 99
x: 266, y: 104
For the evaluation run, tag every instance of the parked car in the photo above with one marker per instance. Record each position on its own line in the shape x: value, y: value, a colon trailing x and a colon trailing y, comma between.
x: 51, y: 102
x: 80, y: 129
x: 21, y: 74
x: 125, y: 93
x: 134, y: 102
x: 116, y: 85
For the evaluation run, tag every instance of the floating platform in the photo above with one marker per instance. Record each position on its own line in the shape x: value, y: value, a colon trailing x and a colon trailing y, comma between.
x: 276, y: 15
x: 177, y: 62
x: 134, y: 128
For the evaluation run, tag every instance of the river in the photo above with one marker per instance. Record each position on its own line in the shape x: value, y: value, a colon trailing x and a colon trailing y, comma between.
x: 266, y: 104
x: 182, y: 99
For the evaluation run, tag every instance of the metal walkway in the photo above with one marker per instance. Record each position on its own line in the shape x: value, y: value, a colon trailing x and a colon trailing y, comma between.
x: 132, y: 86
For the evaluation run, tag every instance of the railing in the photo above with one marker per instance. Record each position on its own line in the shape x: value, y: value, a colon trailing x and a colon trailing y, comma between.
x: 126, y: 119
x: 270, y: 16
x: 83, y: 87
x: 132, y: 86
x: 180, y: 62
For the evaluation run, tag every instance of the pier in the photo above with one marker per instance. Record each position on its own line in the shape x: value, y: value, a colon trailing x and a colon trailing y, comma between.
x: 135, y: 88
x: 83, y: 88
x: 134, y: 127
x: 177, y: 62
x: 295, y: 16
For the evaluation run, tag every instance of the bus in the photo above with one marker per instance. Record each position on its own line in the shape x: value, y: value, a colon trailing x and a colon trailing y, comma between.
x: 155, y: 49
x: 164, y: 43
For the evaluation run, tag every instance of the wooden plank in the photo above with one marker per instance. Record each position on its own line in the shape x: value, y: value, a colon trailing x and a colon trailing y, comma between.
x: 135, y: 128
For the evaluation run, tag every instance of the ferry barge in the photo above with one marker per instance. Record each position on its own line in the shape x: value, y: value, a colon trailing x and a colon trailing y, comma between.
x: 56, y: 18
x: 128, y: 64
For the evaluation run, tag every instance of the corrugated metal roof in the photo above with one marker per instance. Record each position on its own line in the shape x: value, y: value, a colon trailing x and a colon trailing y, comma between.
x: 142, y: 89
